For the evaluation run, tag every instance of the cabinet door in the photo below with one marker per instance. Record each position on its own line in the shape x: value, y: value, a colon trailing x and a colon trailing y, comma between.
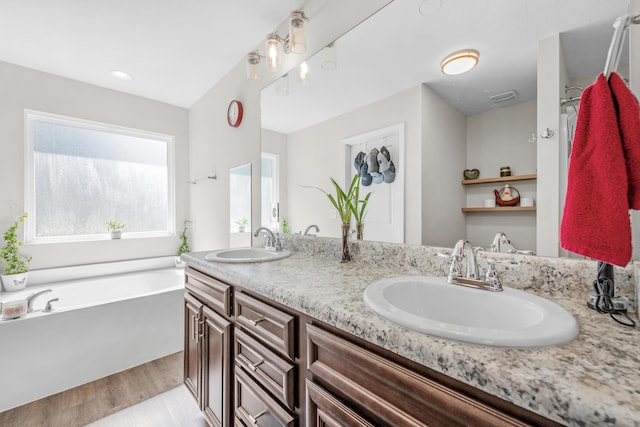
x: 216, y: 362
x: 192, y: 352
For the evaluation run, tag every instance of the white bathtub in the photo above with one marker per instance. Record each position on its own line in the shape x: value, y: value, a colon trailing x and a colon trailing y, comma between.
x: 101, y: 325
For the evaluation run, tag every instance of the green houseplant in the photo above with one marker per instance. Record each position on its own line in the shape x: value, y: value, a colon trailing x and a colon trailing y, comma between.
x: 184, y: 239
x: 242, y: 224
x: 347, y: 203
x: 115, y: 227
x: 16, y: 265
x: 359, y: 207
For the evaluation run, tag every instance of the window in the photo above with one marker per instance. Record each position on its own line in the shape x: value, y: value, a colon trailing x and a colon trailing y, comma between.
x: 80, y: 174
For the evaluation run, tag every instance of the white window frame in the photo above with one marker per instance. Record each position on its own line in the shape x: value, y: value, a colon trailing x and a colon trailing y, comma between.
x: 31, y: 116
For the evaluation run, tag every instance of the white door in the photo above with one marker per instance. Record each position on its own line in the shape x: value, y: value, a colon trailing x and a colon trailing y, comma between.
x: 384, y: 218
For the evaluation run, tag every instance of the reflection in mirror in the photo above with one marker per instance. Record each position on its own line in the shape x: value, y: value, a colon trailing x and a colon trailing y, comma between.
x: 485, y: 119
x: 240, y: 206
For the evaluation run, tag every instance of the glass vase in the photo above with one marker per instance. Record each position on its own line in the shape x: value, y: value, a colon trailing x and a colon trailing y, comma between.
x: 359, y: 230
x: 345, y: 242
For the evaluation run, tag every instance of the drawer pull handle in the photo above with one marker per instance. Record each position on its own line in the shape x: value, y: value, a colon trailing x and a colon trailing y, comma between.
x: 255, y: 322
x: 254, y: 366
x: 254, y: 420
x: 194, y: 328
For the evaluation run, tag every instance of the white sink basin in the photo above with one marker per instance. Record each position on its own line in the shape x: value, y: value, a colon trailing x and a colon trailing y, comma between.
x: 245, y: 255
x: 511, y: 318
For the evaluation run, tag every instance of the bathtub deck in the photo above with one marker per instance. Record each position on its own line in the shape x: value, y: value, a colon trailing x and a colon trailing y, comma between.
x: 149, y: 394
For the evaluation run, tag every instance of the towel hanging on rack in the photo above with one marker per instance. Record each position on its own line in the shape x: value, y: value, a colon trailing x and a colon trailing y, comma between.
x: 595, y: 222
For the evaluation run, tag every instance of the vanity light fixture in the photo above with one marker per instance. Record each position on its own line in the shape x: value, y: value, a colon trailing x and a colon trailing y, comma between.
x: 274, y: 46
x: 120, y: 75
x: 303, y: 72
x: 253, y: 67
x: 282, y: 85
x: 460, y: 62
x: 329, y: 61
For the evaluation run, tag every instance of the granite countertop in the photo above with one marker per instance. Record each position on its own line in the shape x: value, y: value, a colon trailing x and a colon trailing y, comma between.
x: 592, y: 380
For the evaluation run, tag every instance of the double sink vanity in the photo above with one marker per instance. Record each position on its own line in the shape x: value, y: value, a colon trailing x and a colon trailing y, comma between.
x: 291, y: 341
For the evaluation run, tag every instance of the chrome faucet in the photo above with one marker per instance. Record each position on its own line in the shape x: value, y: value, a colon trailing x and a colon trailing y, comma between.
x: 306, y: 232
x: 501, y: 243
x: 273, y: 244
x: 464, y: 250
x: 33, y: 296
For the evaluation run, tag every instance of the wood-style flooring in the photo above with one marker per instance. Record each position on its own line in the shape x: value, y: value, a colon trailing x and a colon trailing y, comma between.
x: 147, y: 395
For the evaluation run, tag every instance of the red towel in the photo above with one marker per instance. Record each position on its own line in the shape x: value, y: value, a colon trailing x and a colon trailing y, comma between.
x: 628, y: 112
x: 595, y: 222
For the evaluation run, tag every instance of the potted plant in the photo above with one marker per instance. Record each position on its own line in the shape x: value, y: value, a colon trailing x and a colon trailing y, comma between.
x: 184, y: 244
x: 358, y: 207
x: 242, y: 224
x: 343, y: 202
x: 16, y: 265
x: 115, y: 227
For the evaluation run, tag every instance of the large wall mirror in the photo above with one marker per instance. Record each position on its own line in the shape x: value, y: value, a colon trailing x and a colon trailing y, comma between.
x: 387, y: 70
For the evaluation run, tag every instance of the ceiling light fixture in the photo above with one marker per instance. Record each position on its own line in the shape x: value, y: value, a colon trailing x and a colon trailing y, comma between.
x: 329, y: 61
x: 460, y: 62
x: 303, y: 72
x: 120, y: 75
x: 274, y: 45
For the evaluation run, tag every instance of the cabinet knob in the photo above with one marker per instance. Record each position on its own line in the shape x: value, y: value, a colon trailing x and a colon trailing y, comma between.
x: 254, y: 419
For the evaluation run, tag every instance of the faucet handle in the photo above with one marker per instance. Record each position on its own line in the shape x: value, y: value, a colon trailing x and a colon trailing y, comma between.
x: 492, y: 277
x: 49, y: 308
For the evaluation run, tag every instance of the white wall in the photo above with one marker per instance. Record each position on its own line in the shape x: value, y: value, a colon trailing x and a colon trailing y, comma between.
x: 438, y: 164
x: 552, y: 76
x: 22, y: 88
x: 496, y: 138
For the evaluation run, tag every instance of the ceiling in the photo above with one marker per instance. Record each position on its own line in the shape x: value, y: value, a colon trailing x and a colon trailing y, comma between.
x: 176, y: 50
x: 399, y: 48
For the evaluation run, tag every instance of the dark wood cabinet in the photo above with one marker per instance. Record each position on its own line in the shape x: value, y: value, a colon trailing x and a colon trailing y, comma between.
x: 250, y: 361
x: 208, y: 346
x: 216, y: 368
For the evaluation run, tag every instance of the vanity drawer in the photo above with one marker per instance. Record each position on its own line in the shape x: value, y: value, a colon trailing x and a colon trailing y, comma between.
x: 212, y: 292
x: 255, y: 407
x: 266, y: 367
x: 275, y: 327
x: 385, y: 393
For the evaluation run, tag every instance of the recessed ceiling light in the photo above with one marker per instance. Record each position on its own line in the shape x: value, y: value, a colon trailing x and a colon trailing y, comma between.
x: 460, y: 62
x: 429, y: 7
x: 121, y: 75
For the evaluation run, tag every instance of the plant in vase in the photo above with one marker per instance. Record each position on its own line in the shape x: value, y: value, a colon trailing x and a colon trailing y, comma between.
x: 343, y: 202
x: 16, y: 265
x: 358, y: 207
x: 184, y: 244
x: 242, y: 224
x: 115, y: 227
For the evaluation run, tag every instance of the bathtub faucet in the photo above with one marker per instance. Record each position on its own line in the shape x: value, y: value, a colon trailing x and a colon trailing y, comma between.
x: 33, y: 296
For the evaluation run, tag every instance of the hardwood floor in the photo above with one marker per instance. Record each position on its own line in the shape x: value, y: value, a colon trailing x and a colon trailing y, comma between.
x: 147, y: 395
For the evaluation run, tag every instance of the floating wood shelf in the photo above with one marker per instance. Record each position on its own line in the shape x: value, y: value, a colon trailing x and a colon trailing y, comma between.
x: 500, y: 179
x: 501, y: 209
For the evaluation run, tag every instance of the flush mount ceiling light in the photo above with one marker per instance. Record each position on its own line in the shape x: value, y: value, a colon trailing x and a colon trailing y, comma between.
x: 120, y: 75
x: 274, y: 45
x: 460, y: 62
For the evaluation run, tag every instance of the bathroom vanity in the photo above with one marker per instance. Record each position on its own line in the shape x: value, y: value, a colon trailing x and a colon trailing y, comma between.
x: 291, y: 342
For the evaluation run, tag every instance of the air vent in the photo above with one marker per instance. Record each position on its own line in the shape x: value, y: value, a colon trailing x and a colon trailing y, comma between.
x: 504, y: 96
